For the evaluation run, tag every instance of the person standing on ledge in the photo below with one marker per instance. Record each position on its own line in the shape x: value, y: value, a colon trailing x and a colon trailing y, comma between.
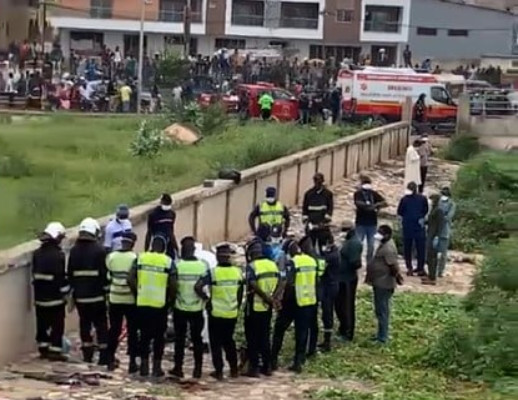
x: 160, y: 222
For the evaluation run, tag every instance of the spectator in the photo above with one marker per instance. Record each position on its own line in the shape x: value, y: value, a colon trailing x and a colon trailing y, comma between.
x: 412, y: 164
x: 420, y: 109
x: 447, y: 205
x: 407, y: 57
x: 435, y: 226
x: 125, y: 94
x: 425, y: 152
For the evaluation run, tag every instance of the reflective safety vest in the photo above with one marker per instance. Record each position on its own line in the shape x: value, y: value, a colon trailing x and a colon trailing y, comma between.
x: 267, y: 275
x: 153, y: 270
x: 119, y: 264
x: 188, y: 273
x: 271, y: 214
x: 225, y: 284
x: 321, y: 264
x: 305, y: 280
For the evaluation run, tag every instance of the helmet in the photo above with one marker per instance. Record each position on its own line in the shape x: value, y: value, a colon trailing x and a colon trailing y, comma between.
x: 55, y: 230
x: 89, y: 225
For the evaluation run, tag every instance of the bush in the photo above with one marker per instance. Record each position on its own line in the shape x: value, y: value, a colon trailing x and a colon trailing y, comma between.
x: 148, y: 141
x: 13, y: 164
x: 462, y: 147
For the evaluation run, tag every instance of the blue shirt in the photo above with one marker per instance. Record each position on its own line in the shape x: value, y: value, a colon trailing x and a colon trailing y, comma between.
x: 413, y: 209
x: 113, y: 233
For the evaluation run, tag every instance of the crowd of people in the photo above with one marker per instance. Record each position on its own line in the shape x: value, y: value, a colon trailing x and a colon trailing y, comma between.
x: 284, y: 277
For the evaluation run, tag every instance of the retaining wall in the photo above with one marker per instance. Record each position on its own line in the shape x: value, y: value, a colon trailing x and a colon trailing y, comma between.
x: 210, y: 214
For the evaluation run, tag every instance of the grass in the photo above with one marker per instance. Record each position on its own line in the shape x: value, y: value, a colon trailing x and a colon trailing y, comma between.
x: 66, y: 168
x: 396, y: 371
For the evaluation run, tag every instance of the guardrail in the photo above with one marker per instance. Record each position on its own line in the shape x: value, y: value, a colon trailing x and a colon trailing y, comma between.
x: 210, y: 214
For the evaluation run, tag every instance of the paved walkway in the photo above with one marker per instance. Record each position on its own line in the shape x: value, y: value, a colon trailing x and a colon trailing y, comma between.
x: 387, y: 178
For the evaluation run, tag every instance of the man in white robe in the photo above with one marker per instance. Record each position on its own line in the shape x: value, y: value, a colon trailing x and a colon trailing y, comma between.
x: 413, y: 164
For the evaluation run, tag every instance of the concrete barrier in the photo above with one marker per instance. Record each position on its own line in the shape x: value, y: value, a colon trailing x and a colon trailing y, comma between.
x: 210, y: 214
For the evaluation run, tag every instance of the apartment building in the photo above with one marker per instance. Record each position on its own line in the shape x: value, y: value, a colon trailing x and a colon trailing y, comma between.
x: 19, y: 20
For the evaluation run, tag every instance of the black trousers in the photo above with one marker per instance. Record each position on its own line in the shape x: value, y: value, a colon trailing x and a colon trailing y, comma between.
x: 345, y: 307
x: 93, y: 315
x: 221, y: 336
x: 424, y: 172
x: 317, y: 238
x: 329, y: 293
x: 303, y: 319
x: 257, y: 332
x: 313, y: 331
x: 50, y: 327
x: 284, y: 319
x: 266, y: 114
x: 152, y: 324
x: 117, y: 313
x: 194, y: 320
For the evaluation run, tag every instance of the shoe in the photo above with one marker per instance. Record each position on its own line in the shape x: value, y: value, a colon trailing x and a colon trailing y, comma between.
x: 44, y: 352
x: 428, y: 281
x: 297, y: 368
x: 266, y: 371
x: 103, y: 357
x: 252, y: 373
x: 419, y: 272
x: 234, y: 373
x: 409, y: 273
x: 157, y: 369
x: 176, y: 372
x: 88, y: 354
x: 196, y: 374
x: 275, y: 365
x: 144, y: 367
x: 311, y: 354
x: 57, y: 357
x: 133, y: 367
x: 217, y: 375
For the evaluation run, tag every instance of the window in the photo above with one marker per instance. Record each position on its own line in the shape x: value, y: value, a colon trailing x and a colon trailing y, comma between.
x: 458, y: 32
x: 101, y: 8
x: 86, y: 42
x: 230, y: 43
x: 299, y: 15
x: 173, y: 10
x: 344, y: 16
x: 440, y: 95
x: 248, y: 13
x: 382, y: 19
x: 421, y: 31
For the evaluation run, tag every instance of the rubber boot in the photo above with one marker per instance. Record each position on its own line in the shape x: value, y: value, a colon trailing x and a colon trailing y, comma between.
x: 88, y: 354
x: 144, y: 367
x: 44, y: 352
x: 132, y: 367
x: 157, y: 368
x: 103, y: 357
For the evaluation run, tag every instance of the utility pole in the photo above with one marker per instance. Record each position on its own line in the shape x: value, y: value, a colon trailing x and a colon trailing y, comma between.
x: 43, y: 16
x: 187, y: 20
x: 140, y: 55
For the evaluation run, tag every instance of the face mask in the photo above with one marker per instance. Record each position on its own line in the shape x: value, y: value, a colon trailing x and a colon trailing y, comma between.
x: 367, y: 186
x: 164, y: 207
x: 270, y: 200
x: 444, y: 198
x: 408, y: 192
x: 378, y: 236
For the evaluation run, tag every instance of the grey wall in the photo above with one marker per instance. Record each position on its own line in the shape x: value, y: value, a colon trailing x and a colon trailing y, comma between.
x: 437, y: 14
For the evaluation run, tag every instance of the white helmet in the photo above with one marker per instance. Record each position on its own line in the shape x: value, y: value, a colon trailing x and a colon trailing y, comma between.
x: 90, y: 225
x: 55, y: 230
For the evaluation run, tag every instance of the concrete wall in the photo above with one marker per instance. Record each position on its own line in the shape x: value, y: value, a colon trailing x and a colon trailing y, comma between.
x: 211, y: 214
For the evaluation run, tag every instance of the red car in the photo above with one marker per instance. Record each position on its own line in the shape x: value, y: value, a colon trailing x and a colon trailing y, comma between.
x: 285, y: 106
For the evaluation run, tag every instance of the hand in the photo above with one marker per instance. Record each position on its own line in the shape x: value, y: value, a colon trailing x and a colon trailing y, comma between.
x: 421, y: 222
x: 399, y: 279
x: 435, y: 243
x: 304, y: 219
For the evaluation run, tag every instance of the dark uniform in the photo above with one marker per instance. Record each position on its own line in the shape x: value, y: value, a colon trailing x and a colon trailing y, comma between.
x: 329, y: 286
x: 50, y: 288
x: 317, y: 209
x: 89, y: 281
x: 161, y: 222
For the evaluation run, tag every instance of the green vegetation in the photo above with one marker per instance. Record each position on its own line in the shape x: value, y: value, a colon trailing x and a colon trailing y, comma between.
x: 65, y: 168
x: 367, y: 371
x: 461, y: 148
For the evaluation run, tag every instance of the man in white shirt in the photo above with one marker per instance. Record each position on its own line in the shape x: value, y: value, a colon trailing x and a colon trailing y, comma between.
x: 116, y: 228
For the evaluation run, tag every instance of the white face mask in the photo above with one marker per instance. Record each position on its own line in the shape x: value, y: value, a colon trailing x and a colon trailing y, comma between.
x: 164, y: 207
x: 378, y: 236
x: 270, y: 200
x: 444, y: 198
x: 367, y: 186
x: 408, y: 192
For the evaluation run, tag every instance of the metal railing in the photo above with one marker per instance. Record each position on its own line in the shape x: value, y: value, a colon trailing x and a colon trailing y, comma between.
x: 381, y: 26
x: 299, y: 23
x: 178, y: 16
x: 247, y: 20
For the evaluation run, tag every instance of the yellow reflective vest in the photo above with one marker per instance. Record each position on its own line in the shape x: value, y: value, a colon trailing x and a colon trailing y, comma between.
x: 267, y: 275
x: 153, y: 271
x: 188, y: 272
x: 271, y: 214
x: 306, y: 271
x: 119, y: 264
x: 225, y: 284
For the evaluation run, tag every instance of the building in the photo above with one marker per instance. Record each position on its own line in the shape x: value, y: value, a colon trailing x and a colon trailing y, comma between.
x: 18, y: 21
x: 450, y: 33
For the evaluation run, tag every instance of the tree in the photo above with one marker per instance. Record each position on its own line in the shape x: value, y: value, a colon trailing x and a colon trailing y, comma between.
x: 172, y: 69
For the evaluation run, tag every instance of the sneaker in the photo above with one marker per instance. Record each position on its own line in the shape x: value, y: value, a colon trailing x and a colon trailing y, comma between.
x: 234, y: 373
x: 177, y: 373
x: 196, y: 374
x: 297, y: 368
x: 428, y: 281
x: 266, y: 371
x: 252, y: 373
x: 217, y: 375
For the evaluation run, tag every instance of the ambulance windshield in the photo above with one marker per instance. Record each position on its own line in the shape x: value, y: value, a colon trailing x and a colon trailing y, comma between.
x: 441, y: 95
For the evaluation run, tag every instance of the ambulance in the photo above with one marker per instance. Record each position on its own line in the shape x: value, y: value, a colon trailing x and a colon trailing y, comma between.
x: 379, y: 93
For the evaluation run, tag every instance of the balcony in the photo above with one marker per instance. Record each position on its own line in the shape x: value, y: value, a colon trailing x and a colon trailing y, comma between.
x: 299, y: 15
x: 102, y: 12
x: 247, y: 13
x: 173, y: 10
x: 178, y: 16
x: 382, y: 19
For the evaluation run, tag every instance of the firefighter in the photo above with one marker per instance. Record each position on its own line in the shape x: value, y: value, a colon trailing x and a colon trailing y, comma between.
x: 89, y: 282
x: 188, y: 307
x: 50, y: 288
x: 151, y: 282
x: 122, y: 302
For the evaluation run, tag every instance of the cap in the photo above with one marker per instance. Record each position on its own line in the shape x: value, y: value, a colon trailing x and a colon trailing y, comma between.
x: 166, y: 199
x: 89, y: 225
x: 271, y: 191
x: 129, y: 237
x: 55, y: 230
x: 223, y: 248
x: 347, y: 225
x: 122, y: 211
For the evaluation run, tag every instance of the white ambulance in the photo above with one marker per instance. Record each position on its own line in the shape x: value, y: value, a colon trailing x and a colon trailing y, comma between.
x: 379, y: 93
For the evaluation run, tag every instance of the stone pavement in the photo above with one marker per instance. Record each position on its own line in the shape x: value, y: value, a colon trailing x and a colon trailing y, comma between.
x: 83, y: 382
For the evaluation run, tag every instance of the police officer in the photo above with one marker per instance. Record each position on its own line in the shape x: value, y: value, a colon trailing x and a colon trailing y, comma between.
x: 271, y: 213
x: 188, y: 307
x: 317, y: 210
x: 50, y: 288
x: 88, y: 280
x: 161, y: 222
x: 226, y: 293
x: 306, y: 279
x: 262, y: 277
x: 151, y: 281
x: 122, y: 302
